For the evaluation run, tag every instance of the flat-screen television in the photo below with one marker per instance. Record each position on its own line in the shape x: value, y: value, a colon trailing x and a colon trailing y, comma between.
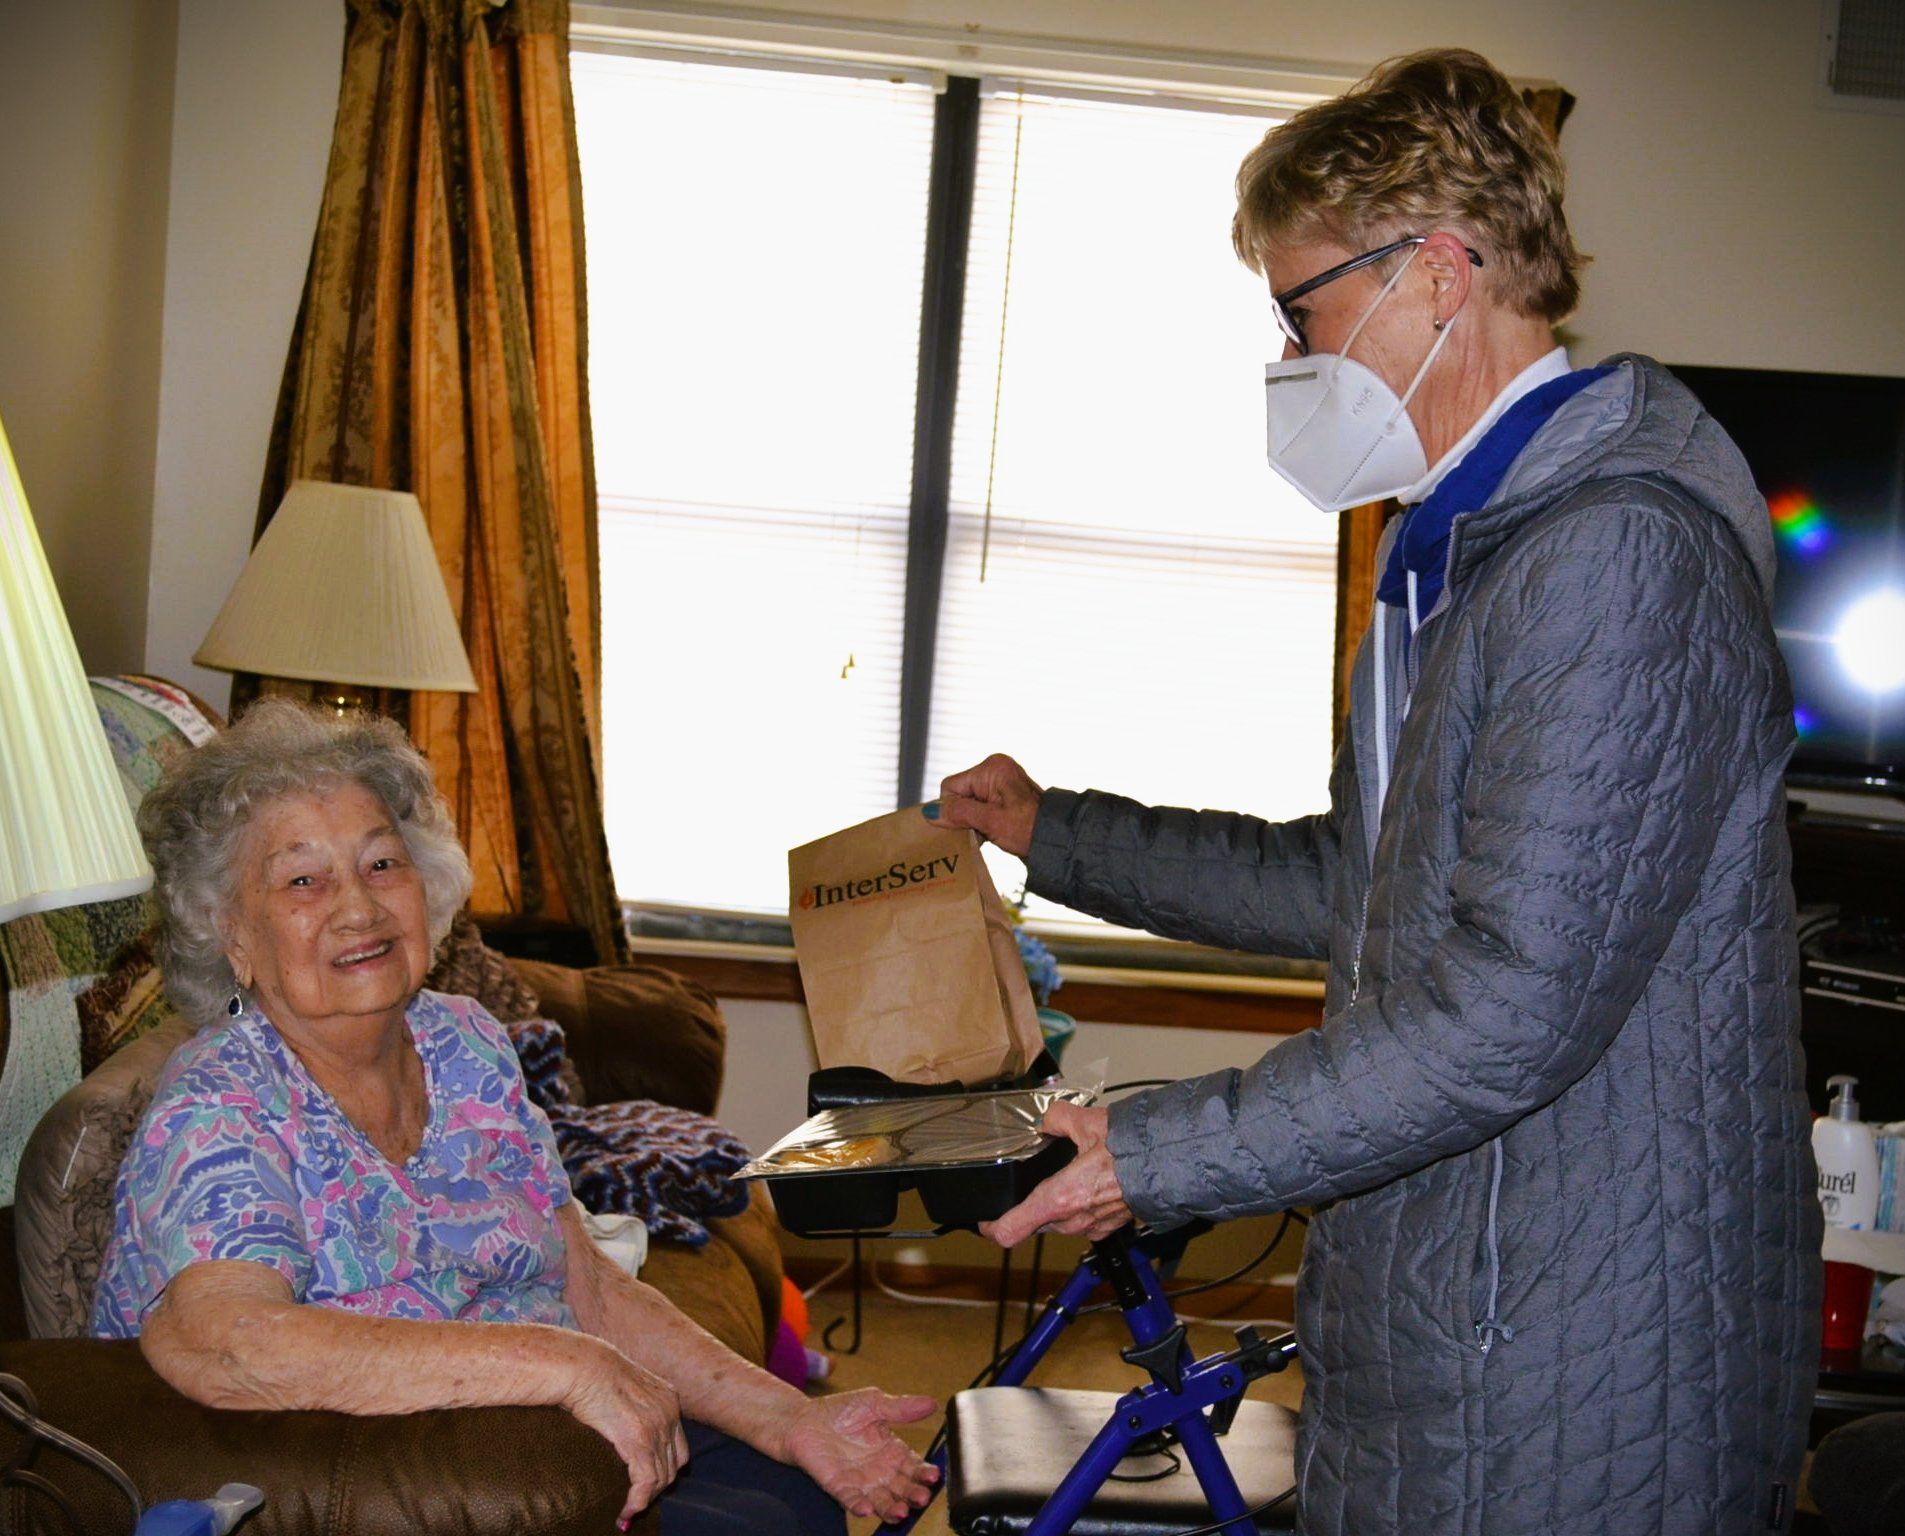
x: 1828, y: 453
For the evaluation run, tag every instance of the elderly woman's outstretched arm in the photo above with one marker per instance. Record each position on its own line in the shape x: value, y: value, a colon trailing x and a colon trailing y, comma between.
x: 229, y: 1334
x: 843, y: 1441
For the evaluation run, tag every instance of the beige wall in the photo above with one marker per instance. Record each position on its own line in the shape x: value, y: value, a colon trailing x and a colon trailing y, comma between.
x: 257, y: 92
x: 160, y: 168
x: 85, y: 103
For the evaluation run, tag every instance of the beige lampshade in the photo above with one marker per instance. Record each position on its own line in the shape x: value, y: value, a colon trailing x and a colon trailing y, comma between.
x: 344, y: 587
x: 66, y: 831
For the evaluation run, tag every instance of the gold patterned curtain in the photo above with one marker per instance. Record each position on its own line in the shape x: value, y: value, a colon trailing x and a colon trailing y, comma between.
x: 439, y: 349
x: 1360, y: 528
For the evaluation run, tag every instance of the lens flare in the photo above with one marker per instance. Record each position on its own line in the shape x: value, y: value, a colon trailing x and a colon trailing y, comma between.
x: 1799, y: 522
x: 1804, y: 722
x: 1870, y: 641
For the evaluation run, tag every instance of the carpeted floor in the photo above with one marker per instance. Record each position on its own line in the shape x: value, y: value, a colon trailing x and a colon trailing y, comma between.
x: 938, y: 1349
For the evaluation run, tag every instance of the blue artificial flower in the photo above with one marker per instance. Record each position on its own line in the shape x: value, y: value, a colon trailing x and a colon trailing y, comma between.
x: 1041, y: 969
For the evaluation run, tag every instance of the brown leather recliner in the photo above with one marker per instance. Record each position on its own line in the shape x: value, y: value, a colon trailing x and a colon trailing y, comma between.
x: 633, y: 1031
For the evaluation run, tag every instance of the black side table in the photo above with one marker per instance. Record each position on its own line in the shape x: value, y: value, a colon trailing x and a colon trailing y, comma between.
x: 1853, y: 1383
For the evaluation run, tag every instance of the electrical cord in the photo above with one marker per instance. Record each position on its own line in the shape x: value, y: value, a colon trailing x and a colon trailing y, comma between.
x: 1231, y: 1324
x: 1249, y: 1514
x: 1137, y: 1452
x: 913, y: 1298
x: 1167, y: 1438
x: 987, y: 1373
x: 826, y: 1280
x: 1202, y: 1286
x: 20, y: 1408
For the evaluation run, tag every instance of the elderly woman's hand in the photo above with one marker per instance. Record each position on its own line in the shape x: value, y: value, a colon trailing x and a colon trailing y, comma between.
x: 846, y: 1444
x: 639, y: 1414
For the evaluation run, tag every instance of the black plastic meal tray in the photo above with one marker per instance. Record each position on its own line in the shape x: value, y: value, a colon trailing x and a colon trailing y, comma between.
x: 956, y: 1195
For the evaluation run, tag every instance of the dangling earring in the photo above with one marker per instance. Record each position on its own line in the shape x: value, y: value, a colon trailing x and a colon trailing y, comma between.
x: 236, y: 1005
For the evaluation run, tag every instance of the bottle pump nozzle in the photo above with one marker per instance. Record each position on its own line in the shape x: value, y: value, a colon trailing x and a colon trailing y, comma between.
x: 1845, y: 1104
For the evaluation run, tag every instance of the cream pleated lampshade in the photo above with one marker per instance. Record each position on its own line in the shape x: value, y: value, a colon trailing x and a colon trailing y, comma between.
x: 344, y: 587
x: 66, y: 831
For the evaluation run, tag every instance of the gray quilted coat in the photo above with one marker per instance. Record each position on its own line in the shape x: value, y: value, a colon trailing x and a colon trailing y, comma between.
x: 1562, y: 1275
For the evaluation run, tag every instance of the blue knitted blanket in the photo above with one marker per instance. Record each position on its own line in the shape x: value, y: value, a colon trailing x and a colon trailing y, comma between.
x: 671, y: 1167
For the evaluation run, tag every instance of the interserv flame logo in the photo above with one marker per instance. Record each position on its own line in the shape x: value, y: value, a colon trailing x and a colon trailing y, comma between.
x: 898, y: 877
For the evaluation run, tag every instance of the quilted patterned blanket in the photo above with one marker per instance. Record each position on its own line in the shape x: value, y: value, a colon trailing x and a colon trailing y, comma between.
x: 671, y: 1167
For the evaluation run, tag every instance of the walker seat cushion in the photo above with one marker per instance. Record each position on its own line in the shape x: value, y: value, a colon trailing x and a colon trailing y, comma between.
x: 1010, y: 1446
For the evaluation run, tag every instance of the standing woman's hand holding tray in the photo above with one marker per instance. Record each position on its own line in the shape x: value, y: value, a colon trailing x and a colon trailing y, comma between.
x: 972, y: 1157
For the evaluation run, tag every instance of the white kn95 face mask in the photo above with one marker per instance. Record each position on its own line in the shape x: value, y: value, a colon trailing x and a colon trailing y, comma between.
x: 1336, y: 431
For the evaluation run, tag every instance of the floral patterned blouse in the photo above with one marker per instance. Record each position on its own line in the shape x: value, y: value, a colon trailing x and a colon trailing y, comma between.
x: 243, y: 1156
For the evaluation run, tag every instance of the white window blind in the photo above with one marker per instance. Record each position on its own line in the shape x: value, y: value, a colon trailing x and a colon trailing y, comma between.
x: 1156, y: 615
x: 755, y: 246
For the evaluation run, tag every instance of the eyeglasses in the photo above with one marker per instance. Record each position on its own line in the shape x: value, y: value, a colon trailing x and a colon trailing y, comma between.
x: 1288, y: 323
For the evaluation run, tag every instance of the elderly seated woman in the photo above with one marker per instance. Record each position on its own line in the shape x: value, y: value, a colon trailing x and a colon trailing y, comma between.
x: 341, y: 1198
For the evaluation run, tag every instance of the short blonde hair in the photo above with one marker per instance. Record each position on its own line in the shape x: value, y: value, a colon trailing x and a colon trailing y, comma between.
x: 194, y: 821
x: 1432, y: 140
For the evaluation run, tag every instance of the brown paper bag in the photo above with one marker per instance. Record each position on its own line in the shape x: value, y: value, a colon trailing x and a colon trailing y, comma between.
x: 907, y: 954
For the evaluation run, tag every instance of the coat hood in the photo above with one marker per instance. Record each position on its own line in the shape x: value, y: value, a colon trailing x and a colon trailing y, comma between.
x: 1639, y: 420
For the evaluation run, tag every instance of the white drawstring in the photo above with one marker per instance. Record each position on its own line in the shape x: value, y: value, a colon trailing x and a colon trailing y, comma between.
x: 1382, y: 718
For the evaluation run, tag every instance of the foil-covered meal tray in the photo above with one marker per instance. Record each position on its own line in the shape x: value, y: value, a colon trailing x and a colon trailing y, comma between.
x: 971, y: 1156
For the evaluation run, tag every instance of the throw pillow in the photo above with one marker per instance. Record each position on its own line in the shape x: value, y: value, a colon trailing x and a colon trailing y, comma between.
x: 467, y: 967
x: 125, y: 1003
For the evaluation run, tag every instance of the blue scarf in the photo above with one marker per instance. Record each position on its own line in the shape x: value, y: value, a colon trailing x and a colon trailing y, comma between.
x: 1422, y: 544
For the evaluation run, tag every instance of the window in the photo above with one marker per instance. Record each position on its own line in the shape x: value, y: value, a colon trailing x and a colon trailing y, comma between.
x: 1127, y: 596
x: 1156, y: 615
x: 754, y: 238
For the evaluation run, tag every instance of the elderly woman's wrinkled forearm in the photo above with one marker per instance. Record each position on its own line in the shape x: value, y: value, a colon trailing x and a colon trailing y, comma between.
x: 717, y: 1386
x: 229, y: 1334
x: 845, y: 1442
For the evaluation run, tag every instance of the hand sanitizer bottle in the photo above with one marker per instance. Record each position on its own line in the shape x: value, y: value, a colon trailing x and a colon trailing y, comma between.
x: 1848, y: 1160
x: 201, y: 1517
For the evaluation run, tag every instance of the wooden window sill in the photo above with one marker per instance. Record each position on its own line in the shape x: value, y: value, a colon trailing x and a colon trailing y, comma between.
x: 1264, y: 1005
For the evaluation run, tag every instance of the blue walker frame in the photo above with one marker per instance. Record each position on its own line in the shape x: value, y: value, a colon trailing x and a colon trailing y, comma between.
x: 1181, y: 1390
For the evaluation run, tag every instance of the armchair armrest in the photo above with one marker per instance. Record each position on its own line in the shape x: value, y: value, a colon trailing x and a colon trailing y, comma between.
x: 467, y: 1471
x: 635, y: 1031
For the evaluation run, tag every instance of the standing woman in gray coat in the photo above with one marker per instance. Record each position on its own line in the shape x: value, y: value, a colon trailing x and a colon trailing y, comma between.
x: 1562, y: 1275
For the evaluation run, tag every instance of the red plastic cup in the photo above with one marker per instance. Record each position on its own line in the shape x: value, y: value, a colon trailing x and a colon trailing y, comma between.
x: 1848, y: 1298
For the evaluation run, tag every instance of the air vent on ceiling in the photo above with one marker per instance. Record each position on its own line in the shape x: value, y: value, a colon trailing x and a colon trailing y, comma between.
x: 1865, y: 54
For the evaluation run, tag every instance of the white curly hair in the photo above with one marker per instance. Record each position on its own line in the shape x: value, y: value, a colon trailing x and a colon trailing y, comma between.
x: 194, y: 819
